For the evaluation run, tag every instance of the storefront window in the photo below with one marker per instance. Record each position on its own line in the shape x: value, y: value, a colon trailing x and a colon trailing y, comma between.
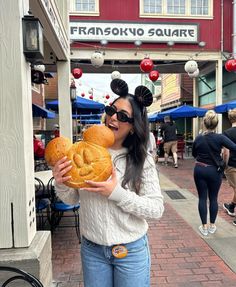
x: 84, y: 7
x: 175, y: 8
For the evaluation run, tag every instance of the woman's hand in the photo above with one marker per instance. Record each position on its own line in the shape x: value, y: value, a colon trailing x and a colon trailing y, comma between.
x: 105, y: 187
x: 60, y: 169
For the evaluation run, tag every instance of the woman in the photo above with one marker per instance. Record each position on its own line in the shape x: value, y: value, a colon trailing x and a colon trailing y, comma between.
x: 230, y: 158
x: 207, y: 151
x: 113, y: 213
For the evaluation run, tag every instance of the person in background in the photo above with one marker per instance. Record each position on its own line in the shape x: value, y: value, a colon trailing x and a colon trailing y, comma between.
x: 56, y: 131
x: 207, y: 175
x: 230, y: 159
x: 169, y: 133
x: 114, y: 213
x: 152, y: 146
x: 39, y: 149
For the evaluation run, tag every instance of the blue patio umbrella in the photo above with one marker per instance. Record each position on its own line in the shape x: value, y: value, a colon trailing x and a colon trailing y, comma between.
x: 154, y: 117
x: 39, y: 111
x: 87, y: 116
x: 224, y: 108
x: 81, y: 105
x: 184, y: 111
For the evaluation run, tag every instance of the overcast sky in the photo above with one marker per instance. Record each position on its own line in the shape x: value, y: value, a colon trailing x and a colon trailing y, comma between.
x: 100, y: 83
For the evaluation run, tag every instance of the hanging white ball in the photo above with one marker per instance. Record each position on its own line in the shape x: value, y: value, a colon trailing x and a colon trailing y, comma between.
x: 194, y: 74
x: 97, y: 59
x: 40, y: 68
x: 115, y: 75
x: 190, y: 66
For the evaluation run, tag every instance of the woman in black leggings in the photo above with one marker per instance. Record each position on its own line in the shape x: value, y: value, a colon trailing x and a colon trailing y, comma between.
x: 207, y: 177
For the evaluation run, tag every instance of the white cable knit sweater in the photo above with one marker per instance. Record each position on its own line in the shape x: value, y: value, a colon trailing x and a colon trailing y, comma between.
x: 120, y: 218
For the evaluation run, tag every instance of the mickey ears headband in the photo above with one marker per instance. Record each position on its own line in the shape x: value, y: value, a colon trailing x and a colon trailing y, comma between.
x: 142, y: 94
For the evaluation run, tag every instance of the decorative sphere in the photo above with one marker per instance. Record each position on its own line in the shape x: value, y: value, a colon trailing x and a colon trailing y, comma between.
x: 190, y: 66
x: 194, y: 74
x: 40, y: 68
x: 146, y: 65
x: 115, y: 75
x: 97, y: 59
x: 91, y: 97
x: 230, y: 65
x: 107, y: 97
x: 82, y: 94
x: 153, y: 75
x: 77, y: 73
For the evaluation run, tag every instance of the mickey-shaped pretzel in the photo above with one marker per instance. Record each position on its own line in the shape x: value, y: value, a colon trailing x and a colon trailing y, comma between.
x: 90, y: 158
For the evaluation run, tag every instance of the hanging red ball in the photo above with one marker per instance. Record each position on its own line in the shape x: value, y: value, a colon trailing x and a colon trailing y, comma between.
x: 153, y: 75
x: 82, y: 94
x: 107, y: 97
x: 230, y: 65
x: 146, y: 65
x: 77, y: 73
x: 91, y: 97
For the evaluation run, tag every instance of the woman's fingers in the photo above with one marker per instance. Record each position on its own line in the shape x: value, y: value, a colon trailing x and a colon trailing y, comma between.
x: 60, y: 169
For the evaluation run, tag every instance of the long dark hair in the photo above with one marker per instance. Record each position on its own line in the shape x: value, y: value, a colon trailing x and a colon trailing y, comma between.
x: 136, y: 142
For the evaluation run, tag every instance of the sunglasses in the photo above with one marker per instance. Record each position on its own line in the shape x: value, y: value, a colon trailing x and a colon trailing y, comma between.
x: 121, y: 116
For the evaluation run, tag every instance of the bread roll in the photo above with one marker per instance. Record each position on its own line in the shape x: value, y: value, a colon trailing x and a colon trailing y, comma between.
x: 90, y: 158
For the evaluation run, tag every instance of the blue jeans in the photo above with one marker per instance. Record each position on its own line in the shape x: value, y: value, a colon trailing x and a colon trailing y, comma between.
x: 102, y: 269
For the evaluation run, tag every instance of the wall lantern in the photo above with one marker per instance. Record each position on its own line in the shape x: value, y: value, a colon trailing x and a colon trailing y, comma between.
x: 32, y: 39
x: 72, y: 91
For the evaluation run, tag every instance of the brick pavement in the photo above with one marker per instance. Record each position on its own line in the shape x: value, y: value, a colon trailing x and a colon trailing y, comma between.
x: 180, y: 257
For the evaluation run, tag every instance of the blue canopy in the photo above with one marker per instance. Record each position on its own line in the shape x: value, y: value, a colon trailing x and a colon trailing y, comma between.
x: 224, y: 108
x: 80, y: 104
x: 86, y: 116
x: 184, y: 111
x: 154, y: 117
x: 39, y: 111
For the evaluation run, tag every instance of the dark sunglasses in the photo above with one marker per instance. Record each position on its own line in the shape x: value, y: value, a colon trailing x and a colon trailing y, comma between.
x: 121, y: 116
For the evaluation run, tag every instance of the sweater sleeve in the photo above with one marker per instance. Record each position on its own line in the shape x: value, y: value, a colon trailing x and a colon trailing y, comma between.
x: 66, y: 194
x: 148, y: 203
x: 226, y: 142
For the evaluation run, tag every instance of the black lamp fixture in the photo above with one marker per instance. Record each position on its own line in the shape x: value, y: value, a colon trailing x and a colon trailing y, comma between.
x: 72, y: 91
x: 32, y: 39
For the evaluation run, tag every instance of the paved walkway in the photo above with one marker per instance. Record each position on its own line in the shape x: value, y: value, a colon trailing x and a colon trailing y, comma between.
x: 181, y: 257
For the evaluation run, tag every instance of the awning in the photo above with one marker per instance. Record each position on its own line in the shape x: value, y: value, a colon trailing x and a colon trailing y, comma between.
x: 39, y: 111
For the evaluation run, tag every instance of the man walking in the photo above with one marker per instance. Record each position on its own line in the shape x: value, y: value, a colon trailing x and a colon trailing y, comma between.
x: 169, y: 133
x: 230, y: 159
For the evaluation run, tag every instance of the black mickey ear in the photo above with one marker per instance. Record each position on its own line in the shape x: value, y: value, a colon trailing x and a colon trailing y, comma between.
x: 143, y: 96
x: 119, y: 87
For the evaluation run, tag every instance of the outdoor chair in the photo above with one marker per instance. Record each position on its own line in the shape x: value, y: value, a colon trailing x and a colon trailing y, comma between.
x: 42, y: 204
x: 16, y: 276
x: 40, y: 165
x: 61, y: 213
x: 181, y: 148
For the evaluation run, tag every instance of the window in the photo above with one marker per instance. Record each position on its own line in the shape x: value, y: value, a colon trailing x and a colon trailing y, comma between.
x: 152, y: 6
x: 177, y: 8
x: 199, y: 7
x: 82, y: 7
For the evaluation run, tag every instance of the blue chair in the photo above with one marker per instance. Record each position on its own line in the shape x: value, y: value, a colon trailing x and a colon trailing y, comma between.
x: 60, y: 210
x: 42, y: 204
x: 20, y: 276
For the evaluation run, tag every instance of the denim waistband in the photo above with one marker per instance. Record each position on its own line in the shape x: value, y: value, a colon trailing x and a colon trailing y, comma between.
x: 202, y: 164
